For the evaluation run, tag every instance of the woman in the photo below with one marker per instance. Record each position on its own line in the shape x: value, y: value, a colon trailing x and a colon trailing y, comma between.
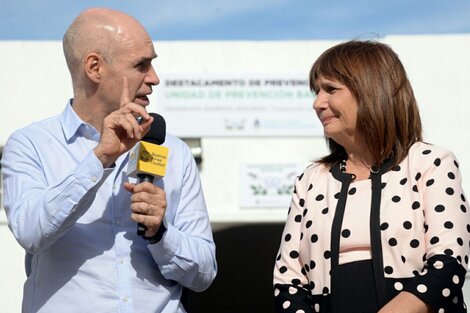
x: 381, y: 224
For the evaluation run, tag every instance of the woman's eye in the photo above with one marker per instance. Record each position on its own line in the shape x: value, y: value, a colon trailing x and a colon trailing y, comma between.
x: 330, y: 89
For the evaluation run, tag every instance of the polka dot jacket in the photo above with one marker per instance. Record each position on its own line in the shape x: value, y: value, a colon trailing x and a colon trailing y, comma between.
x: 419, y: 233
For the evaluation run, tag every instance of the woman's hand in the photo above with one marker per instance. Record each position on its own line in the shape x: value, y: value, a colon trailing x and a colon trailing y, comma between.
x: 406, y: 302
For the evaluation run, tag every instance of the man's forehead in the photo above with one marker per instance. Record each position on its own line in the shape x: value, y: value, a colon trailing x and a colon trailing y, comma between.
x: 139, y: 49
x: 147, y: 53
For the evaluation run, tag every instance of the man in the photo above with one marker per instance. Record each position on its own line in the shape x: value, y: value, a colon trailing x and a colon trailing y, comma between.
x: 71, y: 205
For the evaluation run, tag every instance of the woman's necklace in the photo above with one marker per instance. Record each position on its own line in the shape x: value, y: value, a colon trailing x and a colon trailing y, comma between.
x: 342, y: 167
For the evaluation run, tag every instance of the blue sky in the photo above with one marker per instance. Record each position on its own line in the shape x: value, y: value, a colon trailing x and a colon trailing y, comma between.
x: 246, y: 19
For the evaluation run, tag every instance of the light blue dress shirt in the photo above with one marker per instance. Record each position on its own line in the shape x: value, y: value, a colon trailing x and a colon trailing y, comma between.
x: 73, y: 219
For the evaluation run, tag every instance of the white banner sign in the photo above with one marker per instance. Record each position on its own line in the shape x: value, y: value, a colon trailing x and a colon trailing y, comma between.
x: 237, y: 105
x: 267, y: 185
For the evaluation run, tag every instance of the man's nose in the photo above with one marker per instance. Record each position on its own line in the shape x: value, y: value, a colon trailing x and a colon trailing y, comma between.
x: 152, y: 77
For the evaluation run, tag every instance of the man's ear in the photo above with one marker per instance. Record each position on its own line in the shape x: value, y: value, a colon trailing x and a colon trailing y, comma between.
x: 93, y: 62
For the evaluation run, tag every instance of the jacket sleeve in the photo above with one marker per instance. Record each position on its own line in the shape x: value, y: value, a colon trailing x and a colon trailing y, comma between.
x: 447, y: 237
x: 186, y: 252
x: 291, y: 286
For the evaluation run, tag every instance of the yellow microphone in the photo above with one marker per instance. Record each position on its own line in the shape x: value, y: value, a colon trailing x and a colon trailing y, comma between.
x: 148, y: 159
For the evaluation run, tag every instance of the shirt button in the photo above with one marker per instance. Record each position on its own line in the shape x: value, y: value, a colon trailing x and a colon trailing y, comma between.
x: 117, y: 222
x: 121, y: 261
x: 93, y: 179
x: 125, y: 298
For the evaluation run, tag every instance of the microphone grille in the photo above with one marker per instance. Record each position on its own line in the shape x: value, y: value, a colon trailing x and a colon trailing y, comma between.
x: 157, y: 131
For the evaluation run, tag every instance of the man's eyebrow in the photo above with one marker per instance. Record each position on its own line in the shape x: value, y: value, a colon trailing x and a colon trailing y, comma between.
x: 144, y: 59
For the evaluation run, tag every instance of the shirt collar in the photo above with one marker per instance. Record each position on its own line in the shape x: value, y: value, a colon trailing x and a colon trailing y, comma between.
x: 70, y: 121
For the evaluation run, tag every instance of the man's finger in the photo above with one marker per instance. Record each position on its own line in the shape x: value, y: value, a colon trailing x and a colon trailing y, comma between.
x: 125, y: 95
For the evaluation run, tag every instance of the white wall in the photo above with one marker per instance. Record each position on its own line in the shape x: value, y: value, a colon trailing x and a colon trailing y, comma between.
x: 35, y: 84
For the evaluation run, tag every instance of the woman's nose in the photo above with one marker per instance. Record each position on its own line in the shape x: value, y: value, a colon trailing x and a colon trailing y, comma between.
x: 320, y: 102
